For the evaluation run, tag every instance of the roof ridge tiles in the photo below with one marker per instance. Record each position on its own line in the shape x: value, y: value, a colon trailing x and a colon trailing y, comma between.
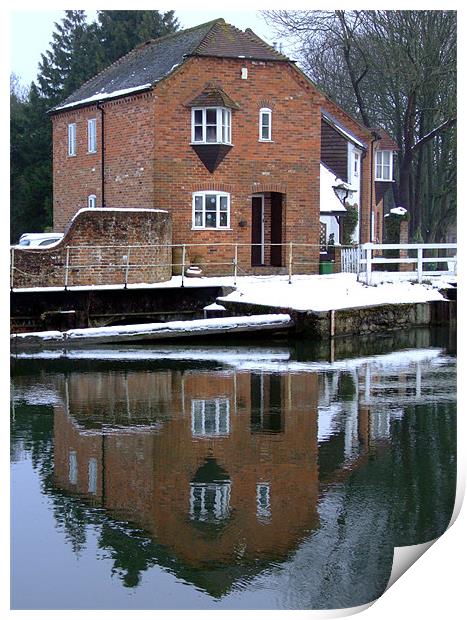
x: 136, y: 50
x: 177, y: 33
x: 270, y: 48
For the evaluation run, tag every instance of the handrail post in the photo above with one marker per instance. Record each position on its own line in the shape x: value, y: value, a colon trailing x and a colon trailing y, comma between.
x: 12, y: 267
x: 368, y: 251
x: 236, y: 264
x: 183, y: 265
x: 419, y: 265
x: 67, y: 265
x: 127, y: 267
x: 290, y: 261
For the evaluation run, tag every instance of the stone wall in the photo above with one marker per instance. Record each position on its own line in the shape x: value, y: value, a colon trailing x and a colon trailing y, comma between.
x: 96, y: 248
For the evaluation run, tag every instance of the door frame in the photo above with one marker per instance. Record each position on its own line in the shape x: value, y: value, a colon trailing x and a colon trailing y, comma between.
x: 262, y: 223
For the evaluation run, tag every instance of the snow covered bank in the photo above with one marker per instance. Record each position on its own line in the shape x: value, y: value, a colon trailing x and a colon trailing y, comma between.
x: 332, y: 292
x: 154, y: 331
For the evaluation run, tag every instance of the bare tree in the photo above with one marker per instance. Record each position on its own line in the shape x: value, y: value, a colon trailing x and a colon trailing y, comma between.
x: 395, y: 70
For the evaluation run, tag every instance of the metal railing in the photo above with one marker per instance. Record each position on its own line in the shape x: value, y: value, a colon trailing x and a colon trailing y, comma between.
x: 445, y: 253
x: 120, y: 262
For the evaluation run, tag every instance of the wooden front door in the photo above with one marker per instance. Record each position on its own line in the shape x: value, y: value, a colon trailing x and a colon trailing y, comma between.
x: 276, y: 229
x: 257, y: 231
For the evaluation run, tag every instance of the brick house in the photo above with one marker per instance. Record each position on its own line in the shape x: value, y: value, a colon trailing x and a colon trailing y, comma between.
x: 224, y: 132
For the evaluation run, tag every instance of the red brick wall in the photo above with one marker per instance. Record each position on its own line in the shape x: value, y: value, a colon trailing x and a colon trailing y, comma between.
x: 149, y: 161
x: 290, y: 164
x: 129, y: 158
x: 97, y: 243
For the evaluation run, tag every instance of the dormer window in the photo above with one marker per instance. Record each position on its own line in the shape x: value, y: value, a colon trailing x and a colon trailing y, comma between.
x: 211, y: 125
x: 383, y: 171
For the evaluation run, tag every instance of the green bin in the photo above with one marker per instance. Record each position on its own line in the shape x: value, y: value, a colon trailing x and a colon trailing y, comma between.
x: 326, y: 267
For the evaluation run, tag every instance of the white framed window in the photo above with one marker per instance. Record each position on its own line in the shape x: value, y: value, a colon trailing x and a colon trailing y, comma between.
x: 71, y: 139
x: 92, y: 476
x: 383, y: 163
x: 92, y: 135
x: 72, y: 467
x: 211, y: 210
x: 211, y: 126
x: 265, y: 125
x: 263, y: 501
x: 210, y: 418
x: 356, y: 164
x: 92, y: 201
x: 209, y: 501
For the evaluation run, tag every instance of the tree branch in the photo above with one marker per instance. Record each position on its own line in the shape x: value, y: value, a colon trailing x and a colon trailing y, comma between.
x: 434, y: 132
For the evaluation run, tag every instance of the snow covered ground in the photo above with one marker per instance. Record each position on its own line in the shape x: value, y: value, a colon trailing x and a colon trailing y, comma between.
x: 331, y: 292
x: 307, y: 292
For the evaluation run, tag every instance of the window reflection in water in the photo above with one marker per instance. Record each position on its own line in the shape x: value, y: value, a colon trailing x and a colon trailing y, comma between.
x: 210, y: 417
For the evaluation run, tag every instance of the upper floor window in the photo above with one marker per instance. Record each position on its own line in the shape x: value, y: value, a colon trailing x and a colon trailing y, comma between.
x: 211, y: 125
x: 210, y: 501
x: 211, y: 210
x: 92, y: 136
x: 91, y: 201
x: 265, y: 125
x: 263, y: 501
x: 356, y: 164
x: 383, y: 170
x: 72, y: 467
x: 72, y: 139
x: 92, y: 475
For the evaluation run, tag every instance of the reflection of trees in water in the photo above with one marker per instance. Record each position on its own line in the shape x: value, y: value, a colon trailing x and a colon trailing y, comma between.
x: 401, y: 496
x: 423, y: 449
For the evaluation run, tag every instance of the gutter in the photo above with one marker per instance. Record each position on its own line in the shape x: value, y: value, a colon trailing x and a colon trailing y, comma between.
x: 101, y: 109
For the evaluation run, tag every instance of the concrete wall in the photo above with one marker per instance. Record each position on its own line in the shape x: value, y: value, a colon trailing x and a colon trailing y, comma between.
x: 96, y: 243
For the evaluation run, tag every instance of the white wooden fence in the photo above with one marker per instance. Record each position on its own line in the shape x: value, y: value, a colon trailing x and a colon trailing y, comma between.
x: 445, y: 253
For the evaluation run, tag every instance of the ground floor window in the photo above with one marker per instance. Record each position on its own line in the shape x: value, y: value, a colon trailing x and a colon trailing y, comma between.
x: 211, y: 210
x: 210, y: 418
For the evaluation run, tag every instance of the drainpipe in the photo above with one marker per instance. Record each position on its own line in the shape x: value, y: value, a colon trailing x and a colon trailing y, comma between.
x: 372, y: 182
x: 360, y: 201
x: 101, y: 109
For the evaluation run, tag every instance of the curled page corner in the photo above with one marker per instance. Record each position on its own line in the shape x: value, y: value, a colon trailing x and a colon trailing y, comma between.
x: 404, y: 557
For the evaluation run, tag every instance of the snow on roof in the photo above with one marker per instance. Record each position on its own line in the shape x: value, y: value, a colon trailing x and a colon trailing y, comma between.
x: 328, y: 200
x: 101, y: 96
x: 399, y: 210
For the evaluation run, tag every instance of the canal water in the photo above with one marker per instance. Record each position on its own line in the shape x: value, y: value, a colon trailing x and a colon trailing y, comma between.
x: 238, y: 476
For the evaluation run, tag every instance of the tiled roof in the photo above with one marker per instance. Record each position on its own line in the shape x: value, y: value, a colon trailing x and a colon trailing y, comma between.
x: 386, y: 143
x: 341, y: 129
x: 213, y: 96
x: 149, y: 63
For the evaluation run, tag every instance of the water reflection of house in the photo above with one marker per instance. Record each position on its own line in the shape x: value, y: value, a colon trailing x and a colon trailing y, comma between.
x: 223, y: 468
x: 220, y: 466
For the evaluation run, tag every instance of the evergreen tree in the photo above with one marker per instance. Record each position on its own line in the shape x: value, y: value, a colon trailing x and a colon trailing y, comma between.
x: 121, y: 31
x: 78, y: 51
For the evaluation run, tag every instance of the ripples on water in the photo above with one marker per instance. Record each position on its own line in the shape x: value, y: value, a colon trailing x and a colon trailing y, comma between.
x: 235, y: 477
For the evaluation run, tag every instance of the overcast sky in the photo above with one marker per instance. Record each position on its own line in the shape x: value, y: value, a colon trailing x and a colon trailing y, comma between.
x: 31, y: 31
